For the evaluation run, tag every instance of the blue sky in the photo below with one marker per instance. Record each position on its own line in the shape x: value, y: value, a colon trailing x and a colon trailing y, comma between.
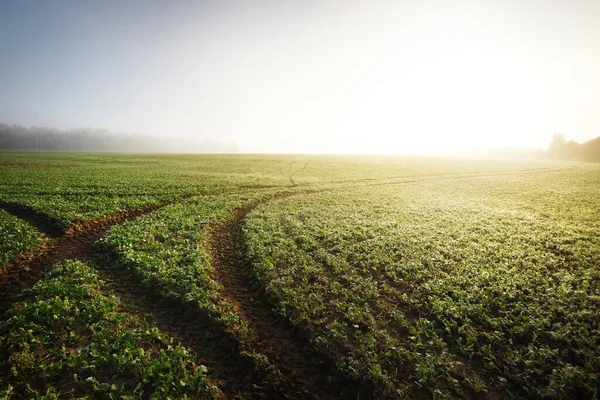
x: 307, y: 76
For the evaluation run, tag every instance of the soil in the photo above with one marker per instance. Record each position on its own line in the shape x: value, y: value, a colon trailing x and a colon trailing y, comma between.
x: 303, y: 372
x: 43, y: 223
x: 187, y: 324
x: 75, y: 243
x: 295, y: 369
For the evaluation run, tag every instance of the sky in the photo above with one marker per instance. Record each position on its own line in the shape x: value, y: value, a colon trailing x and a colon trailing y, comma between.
x: 383, y: 77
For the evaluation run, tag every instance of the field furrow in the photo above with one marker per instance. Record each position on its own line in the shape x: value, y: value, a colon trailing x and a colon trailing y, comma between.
x: 298, y: 277
x: 73, y: 244
x: 302, y: 371
x: 187, y: 324
x: 43, y: 223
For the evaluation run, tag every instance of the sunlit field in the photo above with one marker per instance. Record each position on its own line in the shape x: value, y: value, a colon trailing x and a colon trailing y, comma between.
x: 317, y: 277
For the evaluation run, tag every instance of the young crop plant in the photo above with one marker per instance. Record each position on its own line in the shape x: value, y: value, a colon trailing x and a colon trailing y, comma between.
x: 69, y: 338
x: 420, y: 278
x: 486, y: 286
x: 166, y: 247
x: 16, y: 237
x: 167, y: 250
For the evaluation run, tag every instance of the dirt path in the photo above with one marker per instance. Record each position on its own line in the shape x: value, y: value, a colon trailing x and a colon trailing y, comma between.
x: 213, y: 346
x: 24, y: 271
x: 303, y: 372
x: 41, y: 222
x: 186, y: 323
x: 294, y: 370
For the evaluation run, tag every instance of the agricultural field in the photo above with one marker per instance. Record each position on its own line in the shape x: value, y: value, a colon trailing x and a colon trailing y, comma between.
x: 338, y: 277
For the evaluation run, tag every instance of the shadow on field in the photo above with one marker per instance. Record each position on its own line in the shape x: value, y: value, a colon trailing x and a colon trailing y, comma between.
x: 42, y: 222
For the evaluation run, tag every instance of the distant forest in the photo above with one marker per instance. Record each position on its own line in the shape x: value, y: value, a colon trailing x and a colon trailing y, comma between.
x: 562, y: 149
x: 17, y: 137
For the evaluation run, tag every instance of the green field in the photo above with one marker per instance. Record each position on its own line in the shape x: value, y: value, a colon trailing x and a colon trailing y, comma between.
x: 264, y: 276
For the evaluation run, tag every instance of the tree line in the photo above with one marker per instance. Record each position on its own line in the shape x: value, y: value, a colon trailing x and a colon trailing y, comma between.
x: 18, y: 137
x: 561, y: 149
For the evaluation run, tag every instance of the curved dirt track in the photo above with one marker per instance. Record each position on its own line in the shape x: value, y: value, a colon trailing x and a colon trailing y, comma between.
x: 297, y: 371
x: 43, y: 223
x: 25, y: 270
x: 296, y: 374
x: 213, y: 346
x: 186, y: 323
x: 300, y: 372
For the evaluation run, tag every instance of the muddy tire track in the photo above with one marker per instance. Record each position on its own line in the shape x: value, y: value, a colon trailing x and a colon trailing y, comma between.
x: 198, y: 331
x: 303, y: 372
x: 27, y: 269
x: 43, y: 223
x: 187, y: 324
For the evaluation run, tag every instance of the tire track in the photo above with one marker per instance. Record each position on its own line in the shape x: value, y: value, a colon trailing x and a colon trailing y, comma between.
x: 302, y: 372
x: 195, y: 328
x: 187, y: 324
x: 42, y: 222
x: 26, y: 270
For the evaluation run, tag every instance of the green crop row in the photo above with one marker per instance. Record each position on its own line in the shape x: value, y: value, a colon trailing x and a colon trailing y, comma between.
x: 167, y: 247
x: 16, y: 237
x: 451, y: 287
x: 69, y: 338
x: 76, y: 186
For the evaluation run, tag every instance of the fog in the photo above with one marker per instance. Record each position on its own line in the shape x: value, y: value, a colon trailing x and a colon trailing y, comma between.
x: 20, y: 138
x: 379, y: 77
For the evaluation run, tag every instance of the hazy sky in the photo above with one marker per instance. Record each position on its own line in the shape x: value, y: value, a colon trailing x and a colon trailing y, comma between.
x: 308, y: 76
